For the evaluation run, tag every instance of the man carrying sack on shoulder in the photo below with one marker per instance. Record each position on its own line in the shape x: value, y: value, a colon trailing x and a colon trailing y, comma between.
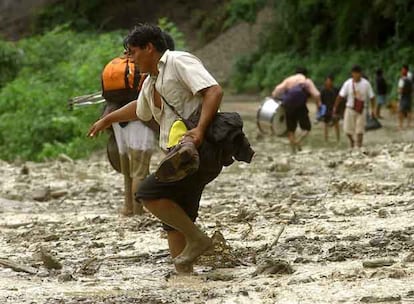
x: 178, y: 87
x: 294, y: 92
x: 357, y: 91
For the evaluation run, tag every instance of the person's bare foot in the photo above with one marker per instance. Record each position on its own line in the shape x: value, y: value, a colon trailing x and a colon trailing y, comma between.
x: 126, y: 211
x: 135, y: 209
x: 193, y: 250
x: 138, y: 209
x: 184, y: 268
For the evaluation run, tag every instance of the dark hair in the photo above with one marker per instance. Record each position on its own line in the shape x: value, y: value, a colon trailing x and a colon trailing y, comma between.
x: 379, y: 72
x: 302, y: 70
x: 330, y: 76
x: 405, y: 66
x: 143, y: 34
x: 169, y: 41
x: 356, y: 68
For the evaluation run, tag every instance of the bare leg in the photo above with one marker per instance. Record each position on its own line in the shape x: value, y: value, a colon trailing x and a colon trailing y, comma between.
x: 336, y: 126
x: 197, y: 242
x: 176, y: 243
x: 351, y: 140
x: 301, y: 138
x: 326, y: 131
x: 138, y: 208
x: 292, y: 141
x: 359, y: 140
x: 378, y: 111
x: 128, y: 208
x: 400, y: 120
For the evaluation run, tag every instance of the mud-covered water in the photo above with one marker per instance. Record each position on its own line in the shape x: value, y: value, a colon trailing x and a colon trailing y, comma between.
x: 346, y: 223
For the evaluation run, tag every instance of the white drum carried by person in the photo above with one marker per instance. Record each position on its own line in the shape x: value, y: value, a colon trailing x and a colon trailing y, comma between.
x: 271, y: 118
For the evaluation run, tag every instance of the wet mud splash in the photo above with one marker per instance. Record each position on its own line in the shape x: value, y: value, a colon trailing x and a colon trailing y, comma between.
x: 323, y: 226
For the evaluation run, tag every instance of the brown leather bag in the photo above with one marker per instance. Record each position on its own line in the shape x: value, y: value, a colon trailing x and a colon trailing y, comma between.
x: 358, y: 103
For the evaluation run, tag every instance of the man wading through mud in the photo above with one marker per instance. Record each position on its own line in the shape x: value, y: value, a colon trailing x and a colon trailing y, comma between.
x: 181, y: 79
x: 357, y: 91
x: 294, y: 92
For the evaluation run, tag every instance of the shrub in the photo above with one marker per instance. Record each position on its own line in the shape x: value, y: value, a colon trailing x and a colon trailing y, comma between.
x: 175, y: 33
x: 34, y: 119
x: 261, y: 72
x: 242, y: 10
x: 10, y: 61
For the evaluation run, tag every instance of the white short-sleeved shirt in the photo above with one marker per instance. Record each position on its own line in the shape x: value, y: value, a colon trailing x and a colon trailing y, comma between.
x: 363, y: 90
x: 181, y: 77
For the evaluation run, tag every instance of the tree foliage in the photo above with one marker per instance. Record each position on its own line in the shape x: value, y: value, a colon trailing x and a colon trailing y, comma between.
x: 329, y: 37
x: 170, y: 27
x: 39, y: 74
x: 34, y: 119
x: 319, y: 25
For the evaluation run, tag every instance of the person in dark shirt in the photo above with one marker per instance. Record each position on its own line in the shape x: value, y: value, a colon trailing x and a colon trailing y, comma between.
x: 381, y: 86
x: 328, y: 96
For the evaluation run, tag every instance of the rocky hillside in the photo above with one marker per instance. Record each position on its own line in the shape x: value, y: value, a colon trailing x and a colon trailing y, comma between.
x: 219, y: 55
x: 16, y: 16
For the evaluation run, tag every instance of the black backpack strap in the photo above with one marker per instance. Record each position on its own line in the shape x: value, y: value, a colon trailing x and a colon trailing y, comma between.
x: 126, y: 75
x: 171, y: 106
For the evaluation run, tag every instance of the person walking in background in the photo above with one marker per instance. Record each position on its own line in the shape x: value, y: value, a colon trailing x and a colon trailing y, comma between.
x: 357, y: 91
x: 381, y: 86
x: 405, y: 88
x: 294, y: 92
x: 136, y: 143
x: 328, y: 96
x: 135, y: 139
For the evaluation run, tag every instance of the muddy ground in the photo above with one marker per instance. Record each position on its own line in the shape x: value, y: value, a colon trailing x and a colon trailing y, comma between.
x: 345, y: 221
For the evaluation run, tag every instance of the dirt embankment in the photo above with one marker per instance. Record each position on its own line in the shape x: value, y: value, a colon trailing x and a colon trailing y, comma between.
x: 220, y: 54
x: 344, y: 220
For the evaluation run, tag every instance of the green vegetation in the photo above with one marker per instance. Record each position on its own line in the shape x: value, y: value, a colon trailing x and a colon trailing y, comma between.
x: 169, y: 27
x: 223, y: 16
x: 260, y: 72
x: 10, y: 62
x: 38, y: 76
x: 242, y: 10
x: 34, y: 120
x: 79, y: 15
x: 66, y: 56
x: 328, y: 37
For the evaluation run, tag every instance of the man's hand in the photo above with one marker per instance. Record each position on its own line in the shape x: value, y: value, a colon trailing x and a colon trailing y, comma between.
x: 126, y: 113
x: 373, y: 115
x: 211, y: 102
x: 197, y: 136
x: 99, y: 126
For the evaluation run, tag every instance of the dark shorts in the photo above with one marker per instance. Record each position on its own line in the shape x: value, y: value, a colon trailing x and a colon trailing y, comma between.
x: 405, y: 104
x: 298, y: 115
x: 328, y: 117
x: 186, y: 193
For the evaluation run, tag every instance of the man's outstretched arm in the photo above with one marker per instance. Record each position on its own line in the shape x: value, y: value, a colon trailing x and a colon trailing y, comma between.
x: 338, y: 100
x: 126, y: 113
x: 279, y: 89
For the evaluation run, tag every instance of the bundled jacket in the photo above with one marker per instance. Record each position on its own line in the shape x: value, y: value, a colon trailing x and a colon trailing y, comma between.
x: 224, y: 143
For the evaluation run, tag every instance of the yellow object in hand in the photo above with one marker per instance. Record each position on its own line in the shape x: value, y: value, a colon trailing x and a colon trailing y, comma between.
x: 177, y: 131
